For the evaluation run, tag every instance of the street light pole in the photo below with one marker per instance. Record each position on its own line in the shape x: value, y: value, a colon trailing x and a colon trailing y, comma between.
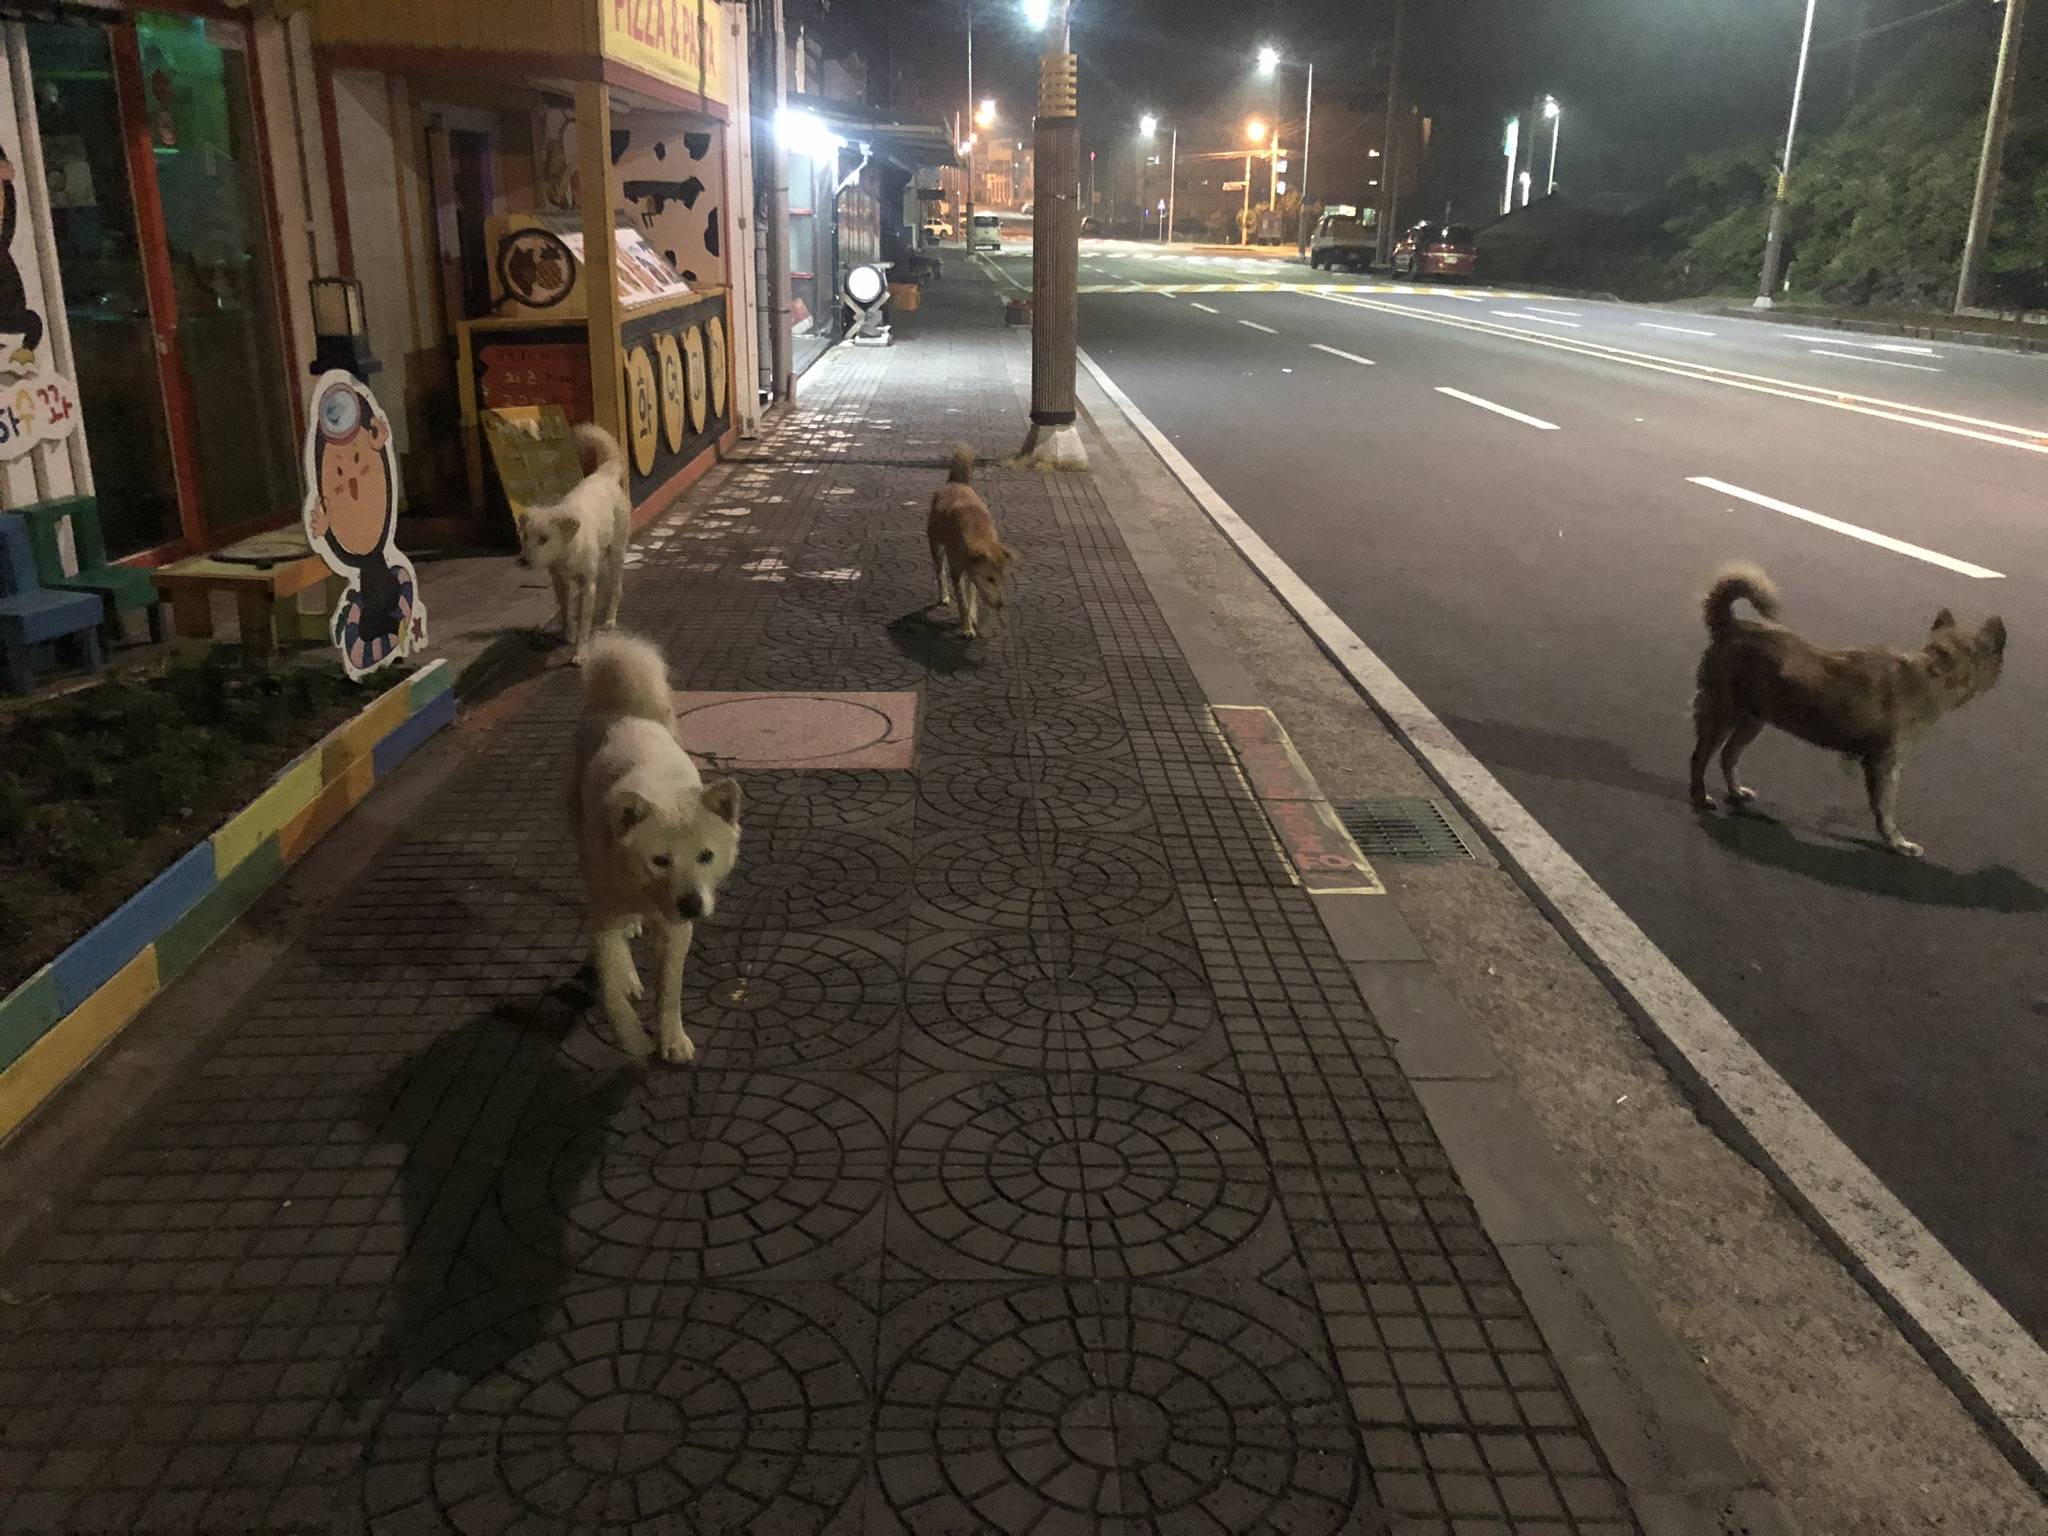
x: 1555, y: 113
x: 1774, y: 242
x: 1989, y: 162
x: 1172, y: 184
x: 967, y: 219
x: 1389, y: 198
x: 1054, y: 441
x: 1244, y: 217
x: 1308, y: 123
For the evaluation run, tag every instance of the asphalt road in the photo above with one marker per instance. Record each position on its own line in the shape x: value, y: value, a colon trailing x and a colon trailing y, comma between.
x: 1535, y: 577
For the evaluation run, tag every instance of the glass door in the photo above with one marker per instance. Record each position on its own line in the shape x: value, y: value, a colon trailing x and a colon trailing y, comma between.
x: 199, y: 104
x: 106, y: 292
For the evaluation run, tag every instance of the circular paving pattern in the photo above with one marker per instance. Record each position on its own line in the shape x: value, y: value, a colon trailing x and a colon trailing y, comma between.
x: 788, y: 999
x: 997, y: 880
x: 1116, y: 1175
x: 1074, y: 794
x: 1057, y: 1001
x: 1041, y: 728
x: 817, y: 880
x: 864, y: 664
x: 1054, y: 1408
x: 700, y: 1174
x: 690, y: 1410
x: 800, y: 800
x: 1028, y: 676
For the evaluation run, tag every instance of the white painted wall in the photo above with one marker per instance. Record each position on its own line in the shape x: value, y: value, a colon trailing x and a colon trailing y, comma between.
x: 382, y: 177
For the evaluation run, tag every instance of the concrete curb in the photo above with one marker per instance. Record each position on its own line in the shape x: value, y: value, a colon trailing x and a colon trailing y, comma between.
x: 1653, y: 1413
x: 1959, y: 336
x: 61, y: 1017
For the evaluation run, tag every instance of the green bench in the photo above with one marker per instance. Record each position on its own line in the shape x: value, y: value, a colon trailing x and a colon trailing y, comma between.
x: 120, y: 588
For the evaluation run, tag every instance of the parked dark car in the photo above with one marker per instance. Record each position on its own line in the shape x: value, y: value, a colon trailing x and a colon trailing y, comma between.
x: 1431, y: 249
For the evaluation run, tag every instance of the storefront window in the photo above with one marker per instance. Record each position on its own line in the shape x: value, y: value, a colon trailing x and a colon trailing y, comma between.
x: 202, y: 132
x: 105, y: 299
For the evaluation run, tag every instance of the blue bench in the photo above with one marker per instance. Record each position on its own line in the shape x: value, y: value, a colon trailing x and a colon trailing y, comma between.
x: 34, y: 620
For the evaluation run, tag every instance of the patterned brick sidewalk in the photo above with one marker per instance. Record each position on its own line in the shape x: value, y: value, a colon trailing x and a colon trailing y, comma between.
x: 1041, y: 1169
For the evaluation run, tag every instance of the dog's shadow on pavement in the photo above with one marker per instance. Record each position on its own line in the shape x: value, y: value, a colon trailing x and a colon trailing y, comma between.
x: 931, y: 636
x: 470, y: 1295
x: 1864, y: 864
x: 1560, y: 755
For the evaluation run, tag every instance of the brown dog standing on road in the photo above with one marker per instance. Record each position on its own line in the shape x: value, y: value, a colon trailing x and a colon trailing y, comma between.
x: 968, y: 558
x: 1869, y: 703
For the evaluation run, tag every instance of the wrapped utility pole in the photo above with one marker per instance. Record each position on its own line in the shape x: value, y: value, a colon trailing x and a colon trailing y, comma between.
x: 1988, y: 163
x: 782, y: 343
x: 1055, y: 441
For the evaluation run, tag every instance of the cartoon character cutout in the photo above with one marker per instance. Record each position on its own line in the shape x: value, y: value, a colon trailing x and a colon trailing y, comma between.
x: 351, y: 518
x: 16, y: 318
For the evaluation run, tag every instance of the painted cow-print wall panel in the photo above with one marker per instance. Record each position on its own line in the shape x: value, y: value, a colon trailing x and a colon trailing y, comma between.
x: 668, y: 172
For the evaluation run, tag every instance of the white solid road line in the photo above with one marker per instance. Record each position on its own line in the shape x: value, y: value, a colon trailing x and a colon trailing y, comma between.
x: 1523, y: 314
x: 1875, y: 346
x: 1576, y: 314
x: 2026, y: 439
x: 1205, y: 309
x: 1254, y: 325
x: 1499, y: 410
x: 1882, y: 362
x: 1881, y: 540
x: 1682, y: 330
x: 1349, y: 357
x: 2001, y: 1367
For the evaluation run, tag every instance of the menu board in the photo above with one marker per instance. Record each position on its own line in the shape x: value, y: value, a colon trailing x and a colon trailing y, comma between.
x: 535, y: 453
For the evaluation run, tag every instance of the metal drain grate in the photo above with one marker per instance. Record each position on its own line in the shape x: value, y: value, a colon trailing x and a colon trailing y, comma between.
x: 1402, y: 829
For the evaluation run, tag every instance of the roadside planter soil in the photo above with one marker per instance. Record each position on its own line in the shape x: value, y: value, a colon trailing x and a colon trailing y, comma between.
x: 140, y: 818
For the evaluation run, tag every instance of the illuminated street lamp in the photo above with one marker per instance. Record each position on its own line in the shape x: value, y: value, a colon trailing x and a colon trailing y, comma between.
x: 1269, y: 64
x: 985, y: 117
x: 1256, y: 132
x: 1148, y: 125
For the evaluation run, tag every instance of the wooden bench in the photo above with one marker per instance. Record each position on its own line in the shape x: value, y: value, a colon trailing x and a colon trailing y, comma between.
x: 121, y: 588
x: 265, y: 574
x: 31, y: 618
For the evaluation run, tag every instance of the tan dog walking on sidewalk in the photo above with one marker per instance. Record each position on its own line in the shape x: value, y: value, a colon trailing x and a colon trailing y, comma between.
x: 1869, y: 703
x: 968, y: 558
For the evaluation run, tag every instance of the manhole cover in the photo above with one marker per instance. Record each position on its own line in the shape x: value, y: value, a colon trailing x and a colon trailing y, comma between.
x: 1413, y: 828
x: 799, y: 730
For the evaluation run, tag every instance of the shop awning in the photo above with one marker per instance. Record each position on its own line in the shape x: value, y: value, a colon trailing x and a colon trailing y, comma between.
x: 908, y: 143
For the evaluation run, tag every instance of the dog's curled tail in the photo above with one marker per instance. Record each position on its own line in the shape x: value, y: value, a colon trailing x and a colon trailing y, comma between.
x: 963, y: 466
x: 1735, y: 583
x: 624, y: 675
x: 604, y: 448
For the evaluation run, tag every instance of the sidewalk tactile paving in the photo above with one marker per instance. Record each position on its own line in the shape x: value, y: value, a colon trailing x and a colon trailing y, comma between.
x: 1041, y: 1170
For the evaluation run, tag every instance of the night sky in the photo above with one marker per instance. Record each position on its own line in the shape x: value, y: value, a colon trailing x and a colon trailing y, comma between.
x: 1643, y: 82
